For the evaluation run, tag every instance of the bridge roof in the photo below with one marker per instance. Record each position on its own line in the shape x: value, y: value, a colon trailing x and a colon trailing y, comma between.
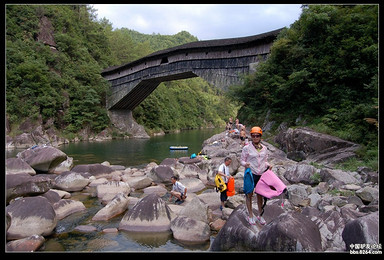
x: 198, y: 45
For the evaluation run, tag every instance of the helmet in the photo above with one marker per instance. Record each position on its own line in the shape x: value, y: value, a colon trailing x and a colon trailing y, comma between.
x: 256, y: 130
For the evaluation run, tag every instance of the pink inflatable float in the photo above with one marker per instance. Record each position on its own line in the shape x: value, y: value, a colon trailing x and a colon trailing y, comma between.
x: 269, y: 185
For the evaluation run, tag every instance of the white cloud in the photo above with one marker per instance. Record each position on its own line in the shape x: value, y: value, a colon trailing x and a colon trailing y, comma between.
x: 205, y: 21
x: 138, y: 21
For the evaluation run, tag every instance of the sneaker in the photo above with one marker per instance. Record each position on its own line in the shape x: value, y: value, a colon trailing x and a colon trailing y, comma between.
x: 178, y: 202
x: 251, y: 221
x: 261, y: 220
x: 221, y: 208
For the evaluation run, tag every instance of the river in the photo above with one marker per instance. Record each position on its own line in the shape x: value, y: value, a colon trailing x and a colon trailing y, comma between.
x: 135, y: 152
x: 128, y: 152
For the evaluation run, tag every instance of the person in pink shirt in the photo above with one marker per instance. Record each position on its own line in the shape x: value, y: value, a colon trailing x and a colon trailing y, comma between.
x: 255, y: 156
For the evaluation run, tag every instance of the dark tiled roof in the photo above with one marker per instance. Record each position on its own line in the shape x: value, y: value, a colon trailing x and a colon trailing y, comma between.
x: 200, y: 45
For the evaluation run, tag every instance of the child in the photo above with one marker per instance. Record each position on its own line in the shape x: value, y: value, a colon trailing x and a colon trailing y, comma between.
x: 178, y: 190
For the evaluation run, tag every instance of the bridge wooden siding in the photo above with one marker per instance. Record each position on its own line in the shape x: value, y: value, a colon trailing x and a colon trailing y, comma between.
x: 220, y: 62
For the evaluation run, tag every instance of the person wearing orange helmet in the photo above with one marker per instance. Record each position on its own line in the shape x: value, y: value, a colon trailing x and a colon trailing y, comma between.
x: 255, y: 156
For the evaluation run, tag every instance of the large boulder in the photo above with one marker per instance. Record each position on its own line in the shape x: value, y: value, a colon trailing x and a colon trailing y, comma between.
x: 237, y: 234
x: 106, y: 192
x: 43, y: 158
x: 31, y: 216
x: 368, y: 194
x: 330, y: 224
x: 193, y: 184
x: 66, y: 207
x: 24, y: 140
x: 284, y: 231
x: 52, y: 196
x: 158, y: 189
x: 16, y: 165
x: 28, y: 244
x: 71, y: 181
x: 297, y: 194
x: 116, y: 206
x: 23, y: 184
x: 314, y: 146
x: 139, y: 182
x: 190, y: 171
x: 364, y: 230
x: 301, y: 173
x: 64, y: 166
x: 150, y: 214
x: 190, y: 230
x: 98, y: 170
x: 337, y: 178
x: 211, y: 199
x: 161, y: 174
x: 191, y: 224
x: 290, y: 231
x: 196, y: 210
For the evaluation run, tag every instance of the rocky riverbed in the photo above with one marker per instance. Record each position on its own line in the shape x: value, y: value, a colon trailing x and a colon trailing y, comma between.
x: 327, y: 209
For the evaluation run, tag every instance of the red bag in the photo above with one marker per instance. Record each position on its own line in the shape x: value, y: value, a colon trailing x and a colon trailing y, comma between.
x: 231, y: 187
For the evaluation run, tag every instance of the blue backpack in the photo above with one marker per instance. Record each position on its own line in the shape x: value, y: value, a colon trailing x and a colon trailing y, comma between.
x: 248, y: 181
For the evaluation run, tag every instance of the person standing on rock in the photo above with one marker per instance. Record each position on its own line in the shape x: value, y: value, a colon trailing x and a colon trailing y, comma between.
x: 255, y: 156
x: 243, y: 135
x: 224, y: 172
x: 178, y: 190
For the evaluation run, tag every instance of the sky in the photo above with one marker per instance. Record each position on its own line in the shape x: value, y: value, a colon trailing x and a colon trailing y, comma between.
x: 205, y: 21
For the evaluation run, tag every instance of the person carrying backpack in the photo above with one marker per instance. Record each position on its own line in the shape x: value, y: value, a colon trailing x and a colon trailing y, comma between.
x: 224, y: 173
x: 255, y: 156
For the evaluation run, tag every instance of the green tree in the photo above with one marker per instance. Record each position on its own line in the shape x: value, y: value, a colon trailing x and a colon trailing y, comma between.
x: 51, y: 83
x: 324, y: 67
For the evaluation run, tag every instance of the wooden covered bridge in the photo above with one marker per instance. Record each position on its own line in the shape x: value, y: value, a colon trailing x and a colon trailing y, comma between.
x: 220, y: 62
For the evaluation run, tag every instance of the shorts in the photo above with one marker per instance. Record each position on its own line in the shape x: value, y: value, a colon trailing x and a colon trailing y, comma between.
x: 223, y: 195
x: 256, y: 179
x: 177, y: 193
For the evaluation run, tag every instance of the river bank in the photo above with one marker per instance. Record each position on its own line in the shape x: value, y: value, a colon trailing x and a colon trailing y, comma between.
x: 331, y: 202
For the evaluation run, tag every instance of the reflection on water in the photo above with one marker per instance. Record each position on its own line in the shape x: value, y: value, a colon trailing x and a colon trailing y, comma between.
x: 66, y: 238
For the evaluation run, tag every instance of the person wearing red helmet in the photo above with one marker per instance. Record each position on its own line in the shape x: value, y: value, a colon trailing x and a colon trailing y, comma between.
x: 255, y: 156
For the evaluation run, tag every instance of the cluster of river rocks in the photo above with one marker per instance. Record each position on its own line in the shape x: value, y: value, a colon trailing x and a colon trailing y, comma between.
x: 327, y: 209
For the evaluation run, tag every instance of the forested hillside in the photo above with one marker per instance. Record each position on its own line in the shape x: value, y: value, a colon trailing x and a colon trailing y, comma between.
x: 184, y: 104
x: 53, y: 66
x: 322, y: 73
x: 54, y: 56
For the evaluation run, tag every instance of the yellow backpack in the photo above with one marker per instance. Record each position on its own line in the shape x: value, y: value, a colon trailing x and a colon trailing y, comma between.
x: 220, y: 184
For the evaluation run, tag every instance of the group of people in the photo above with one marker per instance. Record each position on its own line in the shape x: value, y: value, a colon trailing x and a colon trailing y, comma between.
x: 254, y: 156
x: 237, y: 128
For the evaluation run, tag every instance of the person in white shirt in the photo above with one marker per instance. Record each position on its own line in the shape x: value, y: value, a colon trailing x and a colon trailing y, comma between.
x: 224, y: 172
x: 178, y: 190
